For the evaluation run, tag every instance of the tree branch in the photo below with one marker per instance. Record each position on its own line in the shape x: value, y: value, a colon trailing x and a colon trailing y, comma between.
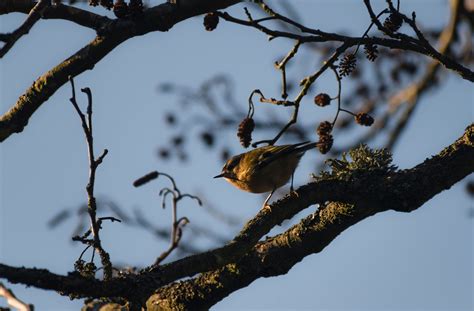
x: 57, y: 11
x: 412, y: 94
x: 158, y: 18
x: 402, y: 191
x: 33, y: 16
x: 13, y: 301
x: 94, y: 163
x: 396, y: 41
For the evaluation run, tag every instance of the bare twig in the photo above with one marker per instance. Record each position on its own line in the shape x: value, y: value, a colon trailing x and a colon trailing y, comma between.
x: 412, y: 94
x: 176, y: 224
x: 13, y: 301
x: 282, y: 66
x: 93, y: 164
x: 34, y: 15
x: 395, y: 40
x: 305, y: 85
x: 408, y: 98
x: 273, y: 101
x: 338, y: 97
x: 57, y: 11
x: 159, y: 18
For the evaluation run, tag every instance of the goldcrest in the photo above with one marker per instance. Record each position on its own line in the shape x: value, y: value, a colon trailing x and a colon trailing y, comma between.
x: 264, y: 169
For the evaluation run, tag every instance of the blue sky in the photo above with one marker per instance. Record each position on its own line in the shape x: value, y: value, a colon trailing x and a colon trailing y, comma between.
x: 391, y: 261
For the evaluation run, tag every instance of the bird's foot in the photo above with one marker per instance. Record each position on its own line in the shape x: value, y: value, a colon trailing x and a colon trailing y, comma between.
x: 294, y: 193
x: 266, y: 206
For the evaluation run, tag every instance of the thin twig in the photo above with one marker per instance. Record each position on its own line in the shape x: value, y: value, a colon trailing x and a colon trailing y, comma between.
x: 338, y: 97
x: 282, y: 66
x: 176, y: 224
x: 306, y: 84
x: 13, y: 301
x: 34, y: 15
x: 93, y: 164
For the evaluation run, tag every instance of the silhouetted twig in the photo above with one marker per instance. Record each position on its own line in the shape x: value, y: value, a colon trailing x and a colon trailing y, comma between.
x: 94, y: 162
x: 177, y: 223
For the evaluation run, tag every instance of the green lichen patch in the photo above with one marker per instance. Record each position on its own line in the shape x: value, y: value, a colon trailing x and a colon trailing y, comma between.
x: 358, y: 160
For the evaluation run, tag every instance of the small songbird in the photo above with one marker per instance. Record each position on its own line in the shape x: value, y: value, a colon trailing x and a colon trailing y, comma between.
x: 264, y: 169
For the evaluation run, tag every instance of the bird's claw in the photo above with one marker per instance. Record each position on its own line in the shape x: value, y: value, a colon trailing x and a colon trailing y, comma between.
x: 294, y: 193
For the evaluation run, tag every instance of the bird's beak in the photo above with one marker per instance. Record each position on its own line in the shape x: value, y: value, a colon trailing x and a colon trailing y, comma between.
x: 228, y: 175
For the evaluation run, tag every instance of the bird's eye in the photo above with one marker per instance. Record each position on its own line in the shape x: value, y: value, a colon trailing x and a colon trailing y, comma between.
x: 232, y: 163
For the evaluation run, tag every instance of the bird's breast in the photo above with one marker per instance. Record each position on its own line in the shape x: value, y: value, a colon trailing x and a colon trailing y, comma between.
x: 267, y: 178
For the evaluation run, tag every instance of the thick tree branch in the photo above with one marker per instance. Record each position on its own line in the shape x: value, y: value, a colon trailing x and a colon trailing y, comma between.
x: 403, y: 191
x: 45, y: 279
x: 45, y: 86
x: 158, y: 18
x: 369, y: 193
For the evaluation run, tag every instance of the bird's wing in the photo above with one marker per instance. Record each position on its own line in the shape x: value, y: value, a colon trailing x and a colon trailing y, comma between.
x: 278, y: 152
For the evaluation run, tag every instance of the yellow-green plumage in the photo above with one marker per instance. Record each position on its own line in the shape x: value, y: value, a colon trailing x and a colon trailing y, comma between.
x: 264, y: 169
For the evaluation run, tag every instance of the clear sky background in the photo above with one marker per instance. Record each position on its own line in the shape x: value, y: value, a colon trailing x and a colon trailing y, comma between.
x: 392, y: 261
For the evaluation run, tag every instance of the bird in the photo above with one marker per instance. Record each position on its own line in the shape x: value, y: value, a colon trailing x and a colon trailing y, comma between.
x: 264, y: 169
